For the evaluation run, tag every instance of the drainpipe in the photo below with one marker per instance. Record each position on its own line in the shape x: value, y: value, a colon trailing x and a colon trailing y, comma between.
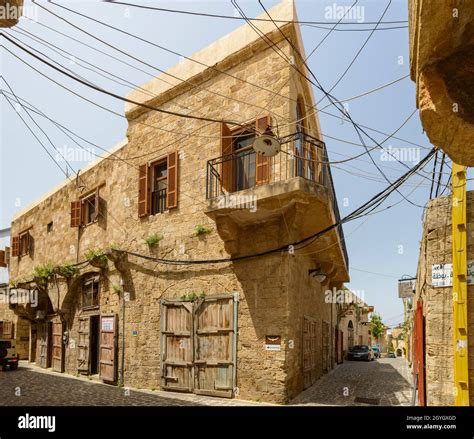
x: 122, y: 369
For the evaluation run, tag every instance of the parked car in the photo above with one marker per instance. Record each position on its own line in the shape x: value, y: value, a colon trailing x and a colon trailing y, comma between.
x: 8, y: 355
x: 392, y: 355
x: 360, y: 352
x: 376, y: 351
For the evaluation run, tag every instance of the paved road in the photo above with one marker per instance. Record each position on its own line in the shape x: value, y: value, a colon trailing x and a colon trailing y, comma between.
x: 29, y: 386
x: 385, y: 381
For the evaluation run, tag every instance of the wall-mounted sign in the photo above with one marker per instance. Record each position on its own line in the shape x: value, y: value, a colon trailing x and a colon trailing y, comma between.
x: 442, y: 274
x: 273, y: 342
x: 107, y: 323
x: 406, y: 288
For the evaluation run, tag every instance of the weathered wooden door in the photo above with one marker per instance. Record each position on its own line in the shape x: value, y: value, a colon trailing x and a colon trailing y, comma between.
x: 215, y: 346
x: 108, y: 348
x: 419, y: 352
x: 43, y: 345
x: 83, y: 354
x: 58, y: 351
x: 309, y: 351
x: 177, y: 352
x: 325, y: 345
x: 6, y: 330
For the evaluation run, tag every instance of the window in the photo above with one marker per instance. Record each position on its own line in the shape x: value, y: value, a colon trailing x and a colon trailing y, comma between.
x: 158, y: 185
x: 241, y: 168
x: 299, y: 146
x: 245, y: 160
x: 49, y: 227
x: 159, y: 177
x: 90, y: 209
x: 86, y: 210
x: 90, y: 292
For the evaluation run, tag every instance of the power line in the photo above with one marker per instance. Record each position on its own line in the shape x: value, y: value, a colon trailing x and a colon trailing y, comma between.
x: 230, y: 17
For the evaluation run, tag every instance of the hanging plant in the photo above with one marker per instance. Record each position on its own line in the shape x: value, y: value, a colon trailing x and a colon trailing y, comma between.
x: 68, y: 270
x: 97, y: 258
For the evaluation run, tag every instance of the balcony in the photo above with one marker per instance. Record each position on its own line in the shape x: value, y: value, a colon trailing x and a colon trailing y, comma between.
x: 291, y: 194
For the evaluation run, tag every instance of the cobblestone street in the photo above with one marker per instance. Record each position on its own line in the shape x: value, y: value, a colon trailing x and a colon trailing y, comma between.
x: 382, y: 382
x: 29, y: 386
x: 385, y: 381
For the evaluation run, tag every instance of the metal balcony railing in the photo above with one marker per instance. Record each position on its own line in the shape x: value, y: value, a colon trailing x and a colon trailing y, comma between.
x: 302, y: 155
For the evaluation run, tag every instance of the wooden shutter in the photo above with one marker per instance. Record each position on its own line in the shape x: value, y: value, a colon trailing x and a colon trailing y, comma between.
x: 16, y: 246
x: 108, y: 348
x: 76, y: 214
x: 2, y: 259
x: 97, y: 205
x: 262, y: 126
x: 226, y: 149
x: 143, y: 189
x: 8, y: 330
x: 172, y: 190
x: 7, y: 256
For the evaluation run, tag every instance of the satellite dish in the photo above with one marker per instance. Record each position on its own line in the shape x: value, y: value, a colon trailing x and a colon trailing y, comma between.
x: 267, y: 146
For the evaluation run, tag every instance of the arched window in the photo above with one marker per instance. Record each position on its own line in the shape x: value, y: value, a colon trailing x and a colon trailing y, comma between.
x: 299, y: 143
x: 350, y: 325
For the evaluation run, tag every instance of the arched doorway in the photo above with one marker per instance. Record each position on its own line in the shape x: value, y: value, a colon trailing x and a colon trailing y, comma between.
x: 350, y: 334
x: 399, y: 352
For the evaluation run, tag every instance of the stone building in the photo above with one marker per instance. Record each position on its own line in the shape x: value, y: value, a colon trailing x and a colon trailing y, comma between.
x: 127, y: 258
x: 433, y: 305
x: 10, y: 12
x: 442, y: 65
x: 354, y: 322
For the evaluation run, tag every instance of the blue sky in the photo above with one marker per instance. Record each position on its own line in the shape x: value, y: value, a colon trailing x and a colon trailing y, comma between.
x: 385, y: 244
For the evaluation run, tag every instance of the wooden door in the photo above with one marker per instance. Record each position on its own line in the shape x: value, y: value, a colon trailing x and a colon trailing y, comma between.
x: 177, y: 349
x: 83, y: 355
x: 6, y: 330
x: 57, y: 343
x: 419, y: 352
x: 215, y: 346
x: 325, y: 344
x: 309, y: 351
x: 43, y: 345
x: 108, y: 348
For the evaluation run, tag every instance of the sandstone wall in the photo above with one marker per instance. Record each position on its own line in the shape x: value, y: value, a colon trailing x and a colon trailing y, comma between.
x: 436, y: 248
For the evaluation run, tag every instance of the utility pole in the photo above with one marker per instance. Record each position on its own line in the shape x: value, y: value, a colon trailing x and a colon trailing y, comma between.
x: 461, y: 371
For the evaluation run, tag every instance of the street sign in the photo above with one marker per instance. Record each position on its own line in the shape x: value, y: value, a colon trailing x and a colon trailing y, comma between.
x: 406, y: 288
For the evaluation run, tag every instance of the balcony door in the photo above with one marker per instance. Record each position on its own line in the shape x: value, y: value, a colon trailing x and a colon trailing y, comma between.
x: 245, y: 161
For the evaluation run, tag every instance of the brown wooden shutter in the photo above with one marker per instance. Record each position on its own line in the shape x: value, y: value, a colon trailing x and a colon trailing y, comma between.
x: 76, y: 215
x: 2, y: 259
x: 7, y: 256
x: 16, y: 246
x: 226, y: 149
x: 108, y: 348
x: 8, y: 330
x: 97, y: 205
x: 262, y: 126
x: 172, y: 191
x: 143, y: 188
x: 28, y: 242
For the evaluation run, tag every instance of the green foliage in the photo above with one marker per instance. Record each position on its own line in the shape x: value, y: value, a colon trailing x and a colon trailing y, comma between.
x: 376, y: 325
x: 96, y: 255
x: 191, y: 297
x: 201, y: 230
x: 43, y: 272
x: 117, y: 289
x: 114, y: 246
x: 68, y: 270
x: 153, y: 239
